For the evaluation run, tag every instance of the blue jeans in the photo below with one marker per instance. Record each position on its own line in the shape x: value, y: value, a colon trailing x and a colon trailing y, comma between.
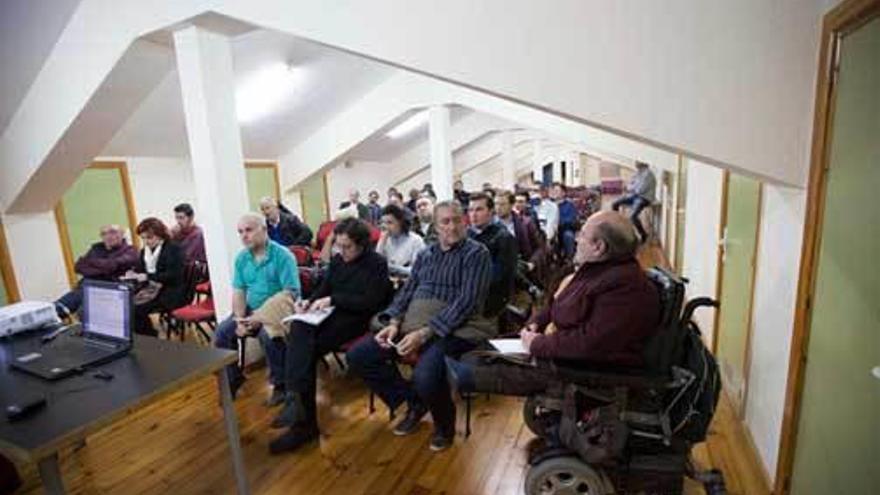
x: 637, y: 204
x: 429, y: 386
x: 225, y: 338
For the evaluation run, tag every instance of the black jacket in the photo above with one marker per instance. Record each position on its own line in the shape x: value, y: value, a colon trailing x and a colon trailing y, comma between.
x: 502, y: 250
x: 361, y: 287
x: 291, y: 231
x: 169, y: 273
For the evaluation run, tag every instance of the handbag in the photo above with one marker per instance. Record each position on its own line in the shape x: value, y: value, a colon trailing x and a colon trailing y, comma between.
x: 147, y: 292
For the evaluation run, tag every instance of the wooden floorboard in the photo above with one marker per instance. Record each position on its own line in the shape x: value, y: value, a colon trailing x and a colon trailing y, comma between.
x: 178, y: 446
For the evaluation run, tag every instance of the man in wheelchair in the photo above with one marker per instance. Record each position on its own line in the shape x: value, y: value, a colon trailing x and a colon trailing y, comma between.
x: 607, y: 374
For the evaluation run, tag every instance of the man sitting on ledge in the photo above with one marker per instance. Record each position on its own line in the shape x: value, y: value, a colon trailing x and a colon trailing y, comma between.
x: 604, y: 315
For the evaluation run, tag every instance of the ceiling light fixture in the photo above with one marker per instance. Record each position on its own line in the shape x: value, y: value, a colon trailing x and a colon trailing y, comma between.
x: 265, y: 91
x: 408, y: 125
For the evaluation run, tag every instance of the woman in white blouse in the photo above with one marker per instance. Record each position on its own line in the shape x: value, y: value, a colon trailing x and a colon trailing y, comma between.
x: 398, y: 244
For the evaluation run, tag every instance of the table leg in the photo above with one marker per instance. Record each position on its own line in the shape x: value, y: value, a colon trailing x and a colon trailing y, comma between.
x: 232, y: 433
x: 50, y: 473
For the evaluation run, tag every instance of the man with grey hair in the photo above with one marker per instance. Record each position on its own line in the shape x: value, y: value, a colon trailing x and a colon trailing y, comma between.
x: 262, y: 269
x: 108, y: 259
x: 283, y: 226
x: 431, y: 317
x: 424, y: 221
x: 604, y: 314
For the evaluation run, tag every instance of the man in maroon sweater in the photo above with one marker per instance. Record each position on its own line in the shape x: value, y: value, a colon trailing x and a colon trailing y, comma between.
x: 603, y: 315
x: 105, y: 260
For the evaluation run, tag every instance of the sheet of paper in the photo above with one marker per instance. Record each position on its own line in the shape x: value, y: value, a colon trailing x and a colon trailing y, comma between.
x: 312, y: 317
x: 509, y: 346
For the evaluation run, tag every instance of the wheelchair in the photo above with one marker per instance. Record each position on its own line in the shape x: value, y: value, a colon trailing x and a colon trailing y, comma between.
x: 604, y: 431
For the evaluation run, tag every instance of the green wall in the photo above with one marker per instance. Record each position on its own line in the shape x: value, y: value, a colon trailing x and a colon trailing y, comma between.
x: 260, y: 183
x: 95, y: 199
x: 313, y: 201
x: 743, y: 204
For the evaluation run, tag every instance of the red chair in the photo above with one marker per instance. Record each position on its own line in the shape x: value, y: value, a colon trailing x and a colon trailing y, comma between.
x: 197, y: 315
x: 303, y: 255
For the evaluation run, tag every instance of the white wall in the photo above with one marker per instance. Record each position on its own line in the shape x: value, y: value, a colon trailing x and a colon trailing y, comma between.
x: 37, y: 260
x: 159, y: 184
x: 776, y: 278
x: 701, y: 234
x: 361, y: 175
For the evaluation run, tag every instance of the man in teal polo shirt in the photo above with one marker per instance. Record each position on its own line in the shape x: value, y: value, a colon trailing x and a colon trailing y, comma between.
x: 262, y: 269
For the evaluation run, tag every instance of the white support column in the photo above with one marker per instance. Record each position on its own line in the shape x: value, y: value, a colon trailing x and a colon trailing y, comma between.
x: 508, y: 166
x: 538, y: 160
x: 204, y: 65
x: 441, y: 153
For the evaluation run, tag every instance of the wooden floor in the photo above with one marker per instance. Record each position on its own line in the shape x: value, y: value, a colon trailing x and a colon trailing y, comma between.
x: 178, y: 446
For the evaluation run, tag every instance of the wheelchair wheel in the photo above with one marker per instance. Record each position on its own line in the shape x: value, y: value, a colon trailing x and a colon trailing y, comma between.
x: 565, y: 476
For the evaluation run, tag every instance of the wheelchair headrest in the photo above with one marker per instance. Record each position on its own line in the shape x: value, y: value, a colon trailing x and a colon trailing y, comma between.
x: 664, y: 347
x: 671, y: 290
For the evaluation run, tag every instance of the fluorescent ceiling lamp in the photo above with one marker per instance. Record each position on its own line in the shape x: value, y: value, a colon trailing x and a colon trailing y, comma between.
x: 408, y: 125
x: 265, y: 91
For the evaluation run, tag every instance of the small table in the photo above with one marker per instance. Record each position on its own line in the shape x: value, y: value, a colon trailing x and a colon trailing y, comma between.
x: 82, y: 405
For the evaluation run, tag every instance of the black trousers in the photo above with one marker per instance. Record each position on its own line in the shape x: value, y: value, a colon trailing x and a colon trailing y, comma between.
x: 305, y: 346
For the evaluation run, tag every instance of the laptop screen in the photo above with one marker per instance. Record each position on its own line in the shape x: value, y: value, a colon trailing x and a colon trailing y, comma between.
x: 107, y: 310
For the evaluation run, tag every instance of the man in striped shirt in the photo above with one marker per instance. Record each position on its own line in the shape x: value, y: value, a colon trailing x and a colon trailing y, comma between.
x: 433, y: 316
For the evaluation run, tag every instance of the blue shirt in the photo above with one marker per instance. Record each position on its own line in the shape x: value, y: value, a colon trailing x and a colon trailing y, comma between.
x: 262, y: 279
x: 568, y: 213
x: 460, y: 277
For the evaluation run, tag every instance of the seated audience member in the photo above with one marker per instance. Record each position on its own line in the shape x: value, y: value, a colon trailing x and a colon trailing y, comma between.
x: 424, y: 222
x: 262, y: 269
x: 392, y: 191
x: 567, y: 230
x: 502, y: 250
x: 524, y: 208
x: 356, y: 286
x: 434, y: 313
x: 459, y: 194
x: 283, y: 227
x: 603, y: 316
x: 414, y: 195
x: 398, y: 244
x: 106, y: 260
x: 529, y: 242
x: 159, y: 275
x: 325, y: 233
x: 374, y: 208
x: 188, y: 235
x: 640, y: 193
x: 548, y: 215
x: 354, y: 199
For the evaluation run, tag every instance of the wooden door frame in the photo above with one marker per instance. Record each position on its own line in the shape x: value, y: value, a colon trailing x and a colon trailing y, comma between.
x: 844, y: 18
x: 274, y: 167
x: 61, y: 219
x: 7, y: 273
x: 747, y: 358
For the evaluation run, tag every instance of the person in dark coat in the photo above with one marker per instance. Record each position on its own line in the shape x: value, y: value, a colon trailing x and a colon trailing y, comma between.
x: 106, y: 260
x: 284, y: 227
x: 356, y: 286
x: 502, y: 249
x: 161, y: 261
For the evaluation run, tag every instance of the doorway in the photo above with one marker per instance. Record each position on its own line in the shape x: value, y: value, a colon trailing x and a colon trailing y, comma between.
x: 834, y: 393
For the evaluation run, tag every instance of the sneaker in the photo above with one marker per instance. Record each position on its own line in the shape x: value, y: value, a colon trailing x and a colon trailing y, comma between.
x: 441, y: 441
x: 294, y: 438
x: 277, y: 397
x: 414, y: 414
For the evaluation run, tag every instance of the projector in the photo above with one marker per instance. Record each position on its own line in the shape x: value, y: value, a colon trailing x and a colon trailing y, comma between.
x: 26, y: 315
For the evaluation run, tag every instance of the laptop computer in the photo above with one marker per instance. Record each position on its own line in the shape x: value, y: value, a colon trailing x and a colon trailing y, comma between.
x: 107, y: 322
